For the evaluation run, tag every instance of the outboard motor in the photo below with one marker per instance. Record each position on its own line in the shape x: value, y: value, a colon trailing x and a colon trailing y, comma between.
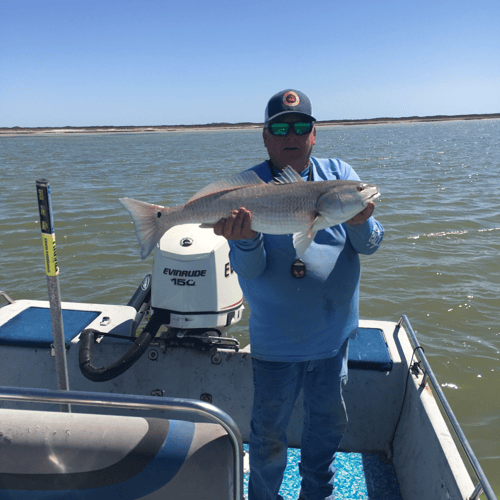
x: 195, y: 297
x: 193, y: 283
x: 194, y: 290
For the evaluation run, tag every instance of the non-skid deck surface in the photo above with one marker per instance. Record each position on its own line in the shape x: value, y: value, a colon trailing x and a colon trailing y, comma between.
x: 359, y: 476
x: 33, y: 328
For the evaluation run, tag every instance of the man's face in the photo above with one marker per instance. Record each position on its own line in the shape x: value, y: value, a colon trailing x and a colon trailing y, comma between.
x: 291, y: 149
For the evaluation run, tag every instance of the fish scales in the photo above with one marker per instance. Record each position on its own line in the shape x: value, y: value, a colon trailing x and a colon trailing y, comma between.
x: 276, y: 209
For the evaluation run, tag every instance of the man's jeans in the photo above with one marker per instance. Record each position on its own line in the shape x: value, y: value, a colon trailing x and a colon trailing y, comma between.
x: 277, y: 386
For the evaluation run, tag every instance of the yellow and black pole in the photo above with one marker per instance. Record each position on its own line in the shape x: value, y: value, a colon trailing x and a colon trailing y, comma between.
x: 52, y: 270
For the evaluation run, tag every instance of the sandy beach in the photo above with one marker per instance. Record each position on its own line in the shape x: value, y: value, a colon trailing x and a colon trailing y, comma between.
x: 47, y: 131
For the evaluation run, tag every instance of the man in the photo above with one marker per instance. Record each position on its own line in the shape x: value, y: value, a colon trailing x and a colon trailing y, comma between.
x: 302, y: 312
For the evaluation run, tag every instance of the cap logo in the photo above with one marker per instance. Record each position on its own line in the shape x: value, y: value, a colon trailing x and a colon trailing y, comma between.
x: 291, y: 99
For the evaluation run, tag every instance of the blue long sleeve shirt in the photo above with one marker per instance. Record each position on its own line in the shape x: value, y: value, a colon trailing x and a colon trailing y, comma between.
x: 309, y: 318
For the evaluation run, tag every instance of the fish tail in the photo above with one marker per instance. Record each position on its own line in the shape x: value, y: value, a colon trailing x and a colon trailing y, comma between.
x: 149, y: 222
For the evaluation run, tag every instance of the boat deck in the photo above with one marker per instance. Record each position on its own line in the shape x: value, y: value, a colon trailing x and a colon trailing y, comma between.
x: 359, y: 476
x: 391, y: 408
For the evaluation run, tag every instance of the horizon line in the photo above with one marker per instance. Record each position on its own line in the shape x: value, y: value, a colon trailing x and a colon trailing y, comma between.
x: 260, y: 124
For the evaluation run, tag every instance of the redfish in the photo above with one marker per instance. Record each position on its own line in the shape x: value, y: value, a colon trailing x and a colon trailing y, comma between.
x: 287, y: 205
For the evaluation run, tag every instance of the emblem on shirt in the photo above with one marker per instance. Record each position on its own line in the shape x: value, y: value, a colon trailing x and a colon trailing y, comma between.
x: 291, y: 98
x: 375, y: 238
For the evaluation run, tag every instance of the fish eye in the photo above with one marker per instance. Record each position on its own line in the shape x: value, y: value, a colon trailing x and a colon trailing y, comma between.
x: 360, y: 188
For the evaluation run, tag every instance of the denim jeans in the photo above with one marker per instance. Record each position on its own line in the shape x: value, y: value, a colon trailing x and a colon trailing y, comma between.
x: 276, y: 388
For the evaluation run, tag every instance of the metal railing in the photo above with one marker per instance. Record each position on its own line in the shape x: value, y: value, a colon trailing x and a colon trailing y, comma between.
x: 6, y: 297
x: 484, y: 485
x: 140, y: 403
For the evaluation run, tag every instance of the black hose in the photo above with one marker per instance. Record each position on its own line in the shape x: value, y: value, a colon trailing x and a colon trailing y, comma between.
x: 141, y: 302
x: 86, y: 357
x: 142, y: 295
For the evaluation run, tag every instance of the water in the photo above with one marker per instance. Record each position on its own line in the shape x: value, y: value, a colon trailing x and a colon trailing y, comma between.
x: 438, y: 264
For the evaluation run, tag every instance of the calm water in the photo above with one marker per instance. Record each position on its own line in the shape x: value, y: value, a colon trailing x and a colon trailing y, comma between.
x: 438, y: 265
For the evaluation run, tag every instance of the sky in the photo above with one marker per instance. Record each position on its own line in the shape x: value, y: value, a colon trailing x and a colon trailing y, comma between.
x: 165, y: 62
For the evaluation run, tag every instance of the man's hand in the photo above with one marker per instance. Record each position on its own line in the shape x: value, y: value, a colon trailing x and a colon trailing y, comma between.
x: 236, y: 226
x: 362, y: 216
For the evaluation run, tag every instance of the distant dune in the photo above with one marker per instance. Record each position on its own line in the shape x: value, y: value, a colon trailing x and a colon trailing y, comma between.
x: 15, y: 131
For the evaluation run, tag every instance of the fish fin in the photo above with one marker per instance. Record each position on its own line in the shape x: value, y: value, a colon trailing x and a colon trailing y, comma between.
x: 287, y: 176
x: 311, y: 229
x: 302, y: 240
x: 244, y: 179
x: 149, y: 227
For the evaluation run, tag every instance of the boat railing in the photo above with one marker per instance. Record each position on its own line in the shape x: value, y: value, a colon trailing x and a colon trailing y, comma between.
x: 135, y: 402
x: 6, y: 297
x: 483, y: 485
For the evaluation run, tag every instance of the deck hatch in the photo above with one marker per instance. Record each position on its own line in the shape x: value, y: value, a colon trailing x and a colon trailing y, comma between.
x: 368, y: 351
x: 32, y: 327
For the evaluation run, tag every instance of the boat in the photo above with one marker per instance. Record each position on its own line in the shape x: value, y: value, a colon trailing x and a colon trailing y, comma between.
x: 159, y: 398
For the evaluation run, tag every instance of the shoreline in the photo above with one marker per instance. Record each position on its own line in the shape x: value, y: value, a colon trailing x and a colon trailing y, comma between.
x: 48, y: 131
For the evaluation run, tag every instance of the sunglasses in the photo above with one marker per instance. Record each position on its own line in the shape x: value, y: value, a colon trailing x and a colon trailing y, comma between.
x: 282, y: 129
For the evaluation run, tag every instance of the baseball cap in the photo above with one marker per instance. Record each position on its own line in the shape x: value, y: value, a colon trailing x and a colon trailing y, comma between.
x: 288, y: 101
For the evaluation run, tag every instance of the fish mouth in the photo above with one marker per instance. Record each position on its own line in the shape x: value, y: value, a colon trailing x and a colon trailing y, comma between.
x: 371, y: 198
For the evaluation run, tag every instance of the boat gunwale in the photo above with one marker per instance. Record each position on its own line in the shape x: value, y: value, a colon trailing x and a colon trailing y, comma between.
x: 483, y: 485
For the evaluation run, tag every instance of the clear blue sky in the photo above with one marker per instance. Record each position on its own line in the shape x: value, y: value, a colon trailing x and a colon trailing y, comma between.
x: 152, y: 62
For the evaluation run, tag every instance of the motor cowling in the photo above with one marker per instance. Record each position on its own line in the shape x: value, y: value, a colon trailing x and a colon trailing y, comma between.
x: 194, y: 294
x: 193, y: 280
